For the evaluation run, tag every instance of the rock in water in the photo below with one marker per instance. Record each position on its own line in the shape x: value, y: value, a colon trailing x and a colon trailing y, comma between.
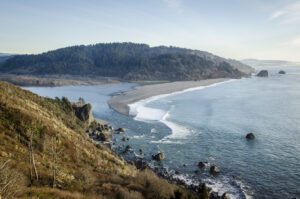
x: 263, y: 73
x: 250, y: 136
x: 201, y: 165
x: 214, y: 170
x: 159, y: 157
x: 282, y: 72
x: 120, y: 130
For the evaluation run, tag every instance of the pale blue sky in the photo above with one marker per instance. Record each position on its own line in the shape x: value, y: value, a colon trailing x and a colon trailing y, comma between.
x: 265, y: 29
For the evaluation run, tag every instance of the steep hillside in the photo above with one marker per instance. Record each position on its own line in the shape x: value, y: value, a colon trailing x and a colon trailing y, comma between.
x: 127, y: 61
x: 44, y: 153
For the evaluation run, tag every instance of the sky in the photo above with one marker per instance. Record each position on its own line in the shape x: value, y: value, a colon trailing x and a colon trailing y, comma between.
x: 239, y: 29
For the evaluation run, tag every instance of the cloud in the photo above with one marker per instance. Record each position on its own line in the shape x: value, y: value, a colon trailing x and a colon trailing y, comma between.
x: 288, y: 14
x: 174, y: 4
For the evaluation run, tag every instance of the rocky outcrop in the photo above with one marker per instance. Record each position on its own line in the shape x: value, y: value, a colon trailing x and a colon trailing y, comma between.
x: 120, y: 130
x: 250, y: 136
x: 83, y: 112
x: 263, y: 73
x: 159, y: 157
x: 202, y: 165
x: 100, y: 132
x: 214, y: 170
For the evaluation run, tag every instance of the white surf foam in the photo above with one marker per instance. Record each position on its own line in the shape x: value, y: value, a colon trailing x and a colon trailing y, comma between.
x: 141, y: 112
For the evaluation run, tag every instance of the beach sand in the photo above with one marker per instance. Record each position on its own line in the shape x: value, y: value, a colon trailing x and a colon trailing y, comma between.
x: 120, y: 102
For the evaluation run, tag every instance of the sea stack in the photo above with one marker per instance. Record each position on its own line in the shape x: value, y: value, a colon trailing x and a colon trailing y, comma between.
x: 263, y: 73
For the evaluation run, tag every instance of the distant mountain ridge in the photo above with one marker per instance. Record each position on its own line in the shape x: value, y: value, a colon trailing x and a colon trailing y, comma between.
x: 127, y: 61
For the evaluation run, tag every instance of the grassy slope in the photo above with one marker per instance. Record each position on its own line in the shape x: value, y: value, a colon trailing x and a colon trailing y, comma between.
x: 83, y: 169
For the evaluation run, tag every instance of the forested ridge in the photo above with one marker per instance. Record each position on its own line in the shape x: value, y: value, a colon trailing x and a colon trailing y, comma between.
x: 127, y: 61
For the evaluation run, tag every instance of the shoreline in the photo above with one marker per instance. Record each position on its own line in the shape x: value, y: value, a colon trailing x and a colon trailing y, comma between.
x: 55, y: 80
x: 122, y: 101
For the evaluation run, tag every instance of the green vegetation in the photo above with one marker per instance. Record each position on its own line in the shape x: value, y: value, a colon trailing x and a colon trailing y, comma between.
x: 44, y: 153
x: 127, y: 61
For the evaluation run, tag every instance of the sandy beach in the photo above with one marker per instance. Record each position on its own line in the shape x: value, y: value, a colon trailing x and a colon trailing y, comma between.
x: 120, y: 102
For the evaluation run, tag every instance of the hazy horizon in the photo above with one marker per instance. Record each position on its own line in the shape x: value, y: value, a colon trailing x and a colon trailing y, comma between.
x: 235, y: 29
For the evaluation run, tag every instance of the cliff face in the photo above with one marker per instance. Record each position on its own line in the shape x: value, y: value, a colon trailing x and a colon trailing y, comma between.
x: 44, y: 153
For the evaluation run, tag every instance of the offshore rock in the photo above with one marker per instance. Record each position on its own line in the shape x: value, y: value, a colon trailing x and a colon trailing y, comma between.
x: 263, y: 73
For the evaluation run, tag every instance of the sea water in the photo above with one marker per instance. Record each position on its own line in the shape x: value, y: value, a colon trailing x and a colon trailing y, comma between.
x: 209, y: 124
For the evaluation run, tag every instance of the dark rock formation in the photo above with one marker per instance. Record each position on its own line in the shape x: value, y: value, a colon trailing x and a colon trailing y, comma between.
x: 120, y: 130
x: 105, y: 136
x: 125, y: 139
x: 263, y: 73
x: 83, y: 113
x: 127, y: 149
x: 140, y: 164
x: 250, y: 136
x: 201, y: 165
x: 159, y: 157
x: 214, y: 170
x: 282, y: 72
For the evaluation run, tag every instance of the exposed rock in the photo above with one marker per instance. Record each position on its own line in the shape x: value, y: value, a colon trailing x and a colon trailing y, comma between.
x: 127, y: 149
x: 263, y: 73
x: 282, y: 72
x: 202, y: 165
x: 104, y: 136
x: 125, y: 139
x: 141, y: 151
x: 140, y: 164
x: 250, y: 136
x: 159, y: 157
x: 214, y: 170
x: 120, y: 130
x: 84, y: 113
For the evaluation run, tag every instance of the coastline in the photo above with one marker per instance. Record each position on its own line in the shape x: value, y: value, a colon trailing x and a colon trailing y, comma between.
x: 121, y: 102
x: 55, y: 80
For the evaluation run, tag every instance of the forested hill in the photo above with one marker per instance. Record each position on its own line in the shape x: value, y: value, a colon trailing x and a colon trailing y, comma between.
x: 127, y: 61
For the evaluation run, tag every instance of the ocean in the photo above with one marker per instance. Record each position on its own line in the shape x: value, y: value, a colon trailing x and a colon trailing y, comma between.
x: 209, y: 124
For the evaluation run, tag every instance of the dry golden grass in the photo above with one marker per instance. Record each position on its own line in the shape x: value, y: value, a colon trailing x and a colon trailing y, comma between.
x: 82, y: 169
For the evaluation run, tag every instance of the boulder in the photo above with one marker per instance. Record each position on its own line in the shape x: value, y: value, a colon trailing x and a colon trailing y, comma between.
x: 202, y: 165
x: 214, y: 170
x: 250, y: 136
x: 282, y: 72
x: 125, y: 139
x: 159, y: 157
x: 104, y: 136
x: 263, y: 73
x: 120, y: 130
